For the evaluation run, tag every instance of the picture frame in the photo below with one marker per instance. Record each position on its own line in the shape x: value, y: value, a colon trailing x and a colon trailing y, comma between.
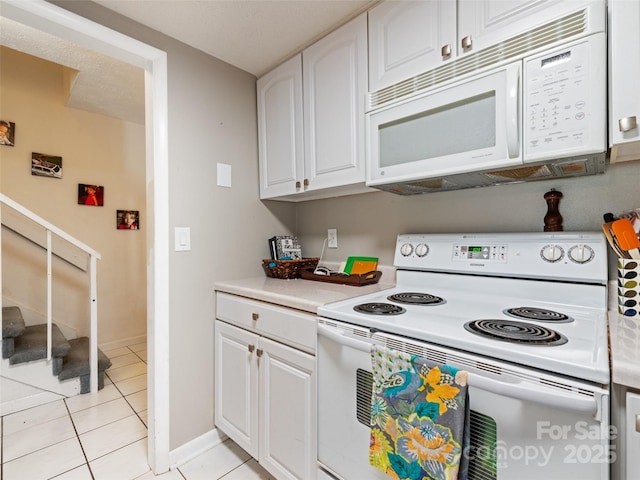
x: 127, y: 219
x: 45, y: 165
x: 7, y: 133
x: 91, y: 195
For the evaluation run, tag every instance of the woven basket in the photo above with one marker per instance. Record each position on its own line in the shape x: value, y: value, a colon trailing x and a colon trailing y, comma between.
x: 287, y: 269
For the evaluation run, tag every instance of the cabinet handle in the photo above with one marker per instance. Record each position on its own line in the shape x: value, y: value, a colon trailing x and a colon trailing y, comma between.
x: 467, y: 43
x: 306, y: 182
x: 254, y: 316
x: 259, y: 352
x: 298, y: 185
x: 638, y: 423
x: 627, y: 123
x: 446, y: 51
x: 251, y: 348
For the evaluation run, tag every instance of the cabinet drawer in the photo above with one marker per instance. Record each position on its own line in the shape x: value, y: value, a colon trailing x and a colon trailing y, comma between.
x: 278, y: 323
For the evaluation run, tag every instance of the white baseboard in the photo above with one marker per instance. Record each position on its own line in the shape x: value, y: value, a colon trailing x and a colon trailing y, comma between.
x: 122, y: 343
x: 195, y: 447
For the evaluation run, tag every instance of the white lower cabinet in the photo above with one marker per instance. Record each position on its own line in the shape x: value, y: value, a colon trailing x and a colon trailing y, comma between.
x: 265, y: 391
x: 632, y: 444
x: 287, y: 413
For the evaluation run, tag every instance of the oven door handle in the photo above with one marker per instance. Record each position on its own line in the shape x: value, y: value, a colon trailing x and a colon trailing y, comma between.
x: 338, y: 337
x: 533, y: 393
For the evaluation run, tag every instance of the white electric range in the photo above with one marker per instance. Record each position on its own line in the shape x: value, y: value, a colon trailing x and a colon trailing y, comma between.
x: 524, y: 313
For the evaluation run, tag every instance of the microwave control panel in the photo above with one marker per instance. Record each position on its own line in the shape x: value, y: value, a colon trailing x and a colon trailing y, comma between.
x: 559, y: 107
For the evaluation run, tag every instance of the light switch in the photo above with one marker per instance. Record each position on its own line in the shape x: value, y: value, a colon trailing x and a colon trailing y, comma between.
x: 224, y: 175
x: 182, y: 239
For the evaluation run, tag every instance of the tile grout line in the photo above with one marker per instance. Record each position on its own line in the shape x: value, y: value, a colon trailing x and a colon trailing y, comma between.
x: 132, y: 393
x: 84, y: 454
x: 75, y: 430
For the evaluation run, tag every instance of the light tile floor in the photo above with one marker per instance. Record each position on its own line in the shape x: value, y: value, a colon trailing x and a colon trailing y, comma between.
x: 103, y: 436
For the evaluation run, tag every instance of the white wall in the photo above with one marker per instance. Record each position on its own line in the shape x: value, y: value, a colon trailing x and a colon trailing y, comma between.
x: 368, y: 224
x: 212, y: 118
x: 95, y: 150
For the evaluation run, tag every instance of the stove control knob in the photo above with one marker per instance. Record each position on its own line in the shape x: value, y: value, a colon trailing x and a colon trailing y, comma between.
x: 422, y: 249
x: 581, y: 253
x: 406, y: 249
x: 552, y: 253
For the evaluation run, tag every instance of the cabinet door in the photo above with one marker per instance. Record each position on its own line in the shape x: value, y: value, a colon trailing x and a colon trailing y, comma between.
x: 335, y: 84
x: 280, y: 129
x: 407, y: 38
x: 287, y: 412
x: 236, y: 385
x: 632, y: 445
x: 482, y: 23
x: 624, y: 72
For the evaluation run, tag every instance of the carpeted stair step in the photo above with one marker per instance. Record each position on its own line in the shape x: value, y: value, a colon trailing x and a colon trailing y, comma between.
x: 32, y: 344
x: 12, y: 326
x: 76, y: 364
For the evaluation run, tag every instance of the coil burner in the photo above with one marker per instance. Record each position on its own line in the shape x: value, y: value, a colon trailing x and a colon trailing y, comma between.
x: 412, y: 298
x: 379, y: 309
x: 538, y: 314
x: 516, y: 332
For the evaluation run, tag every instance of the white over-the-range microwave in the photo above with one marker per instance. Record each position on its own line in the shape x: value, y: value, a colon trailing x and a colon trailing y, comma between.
x: 523, y: 111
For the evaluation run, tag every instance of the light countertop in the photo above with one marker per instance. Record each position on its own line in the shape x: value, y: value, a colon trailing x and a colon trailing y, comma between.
x: 305, y: 295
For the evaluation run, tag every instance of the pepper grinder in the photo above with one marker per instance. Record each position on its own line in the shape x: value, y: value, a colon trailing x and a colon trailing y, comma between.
x: 553, y: 219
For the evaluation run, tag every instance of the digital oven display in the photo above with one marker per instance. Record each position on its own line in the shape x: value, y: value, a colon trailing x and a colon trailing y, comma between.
x: 475, y: 252
x: 490, y: 253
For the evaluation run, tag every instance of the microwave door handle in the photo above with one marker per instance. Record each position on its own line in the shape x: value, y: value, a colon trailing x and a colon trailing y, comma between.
x: 513, y: 111
x: 335, y: 335
x: 533, y: 393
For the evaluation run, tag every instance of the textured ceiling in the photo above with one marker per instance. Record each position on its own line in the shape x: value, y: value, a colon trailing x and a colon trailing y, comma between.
x: 253, y: 35
x: 101, y: 84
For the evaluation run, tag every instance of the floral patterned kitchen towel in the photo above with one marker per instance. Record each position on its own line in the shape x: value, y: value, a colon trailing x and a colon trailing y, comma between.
x: 419, y: 417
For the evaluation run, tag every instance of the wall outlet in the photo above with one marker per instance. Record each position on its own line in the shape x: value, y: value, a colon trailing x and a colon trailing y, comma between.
x: 332, y: 238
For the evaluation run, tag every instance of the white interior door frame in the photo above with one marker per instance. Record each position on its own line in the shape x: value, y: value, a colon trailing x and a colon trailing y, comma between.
x: 56, y: 21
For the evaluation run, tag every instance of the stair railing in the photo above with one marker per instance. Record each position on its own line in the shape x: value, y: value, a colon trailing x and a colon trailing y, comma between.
x: 94, y: 256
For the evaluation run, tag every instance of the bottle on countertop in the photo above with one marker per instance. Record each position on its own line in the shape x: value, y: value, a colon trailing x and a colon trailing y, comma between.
x: 553, y: 219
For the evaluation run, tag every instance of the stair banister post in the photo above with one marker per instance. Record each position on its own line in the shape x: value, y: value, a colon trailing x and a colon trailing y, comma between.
x: 49, y: 295
x: 93, y: 337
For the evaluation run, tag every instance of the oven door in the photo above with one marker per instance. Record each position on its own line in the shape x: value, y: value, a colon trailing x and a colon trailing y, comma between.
x: 524, y: 424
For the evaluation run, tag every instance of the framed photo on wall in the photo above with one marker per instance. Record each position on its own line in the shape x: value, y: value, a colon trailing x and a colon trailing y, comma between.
x: 7, y: 133
x: 127, y: 219
x: 92, y: 195
x: 43, y: 165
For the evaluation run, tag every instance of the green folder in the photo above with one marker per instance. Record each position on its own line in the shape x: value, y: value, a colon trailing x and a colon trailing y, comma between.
x: 360, y: 265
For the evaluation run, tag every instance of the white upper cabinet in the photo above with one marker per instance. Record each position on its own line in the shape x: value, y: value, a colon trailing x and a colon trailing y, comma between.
x: 280, y: 129
x: 335, y: 84
x: 323, y: 154
x: 624, y: 79
x: 482, y: 23
x: 409, y: 37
